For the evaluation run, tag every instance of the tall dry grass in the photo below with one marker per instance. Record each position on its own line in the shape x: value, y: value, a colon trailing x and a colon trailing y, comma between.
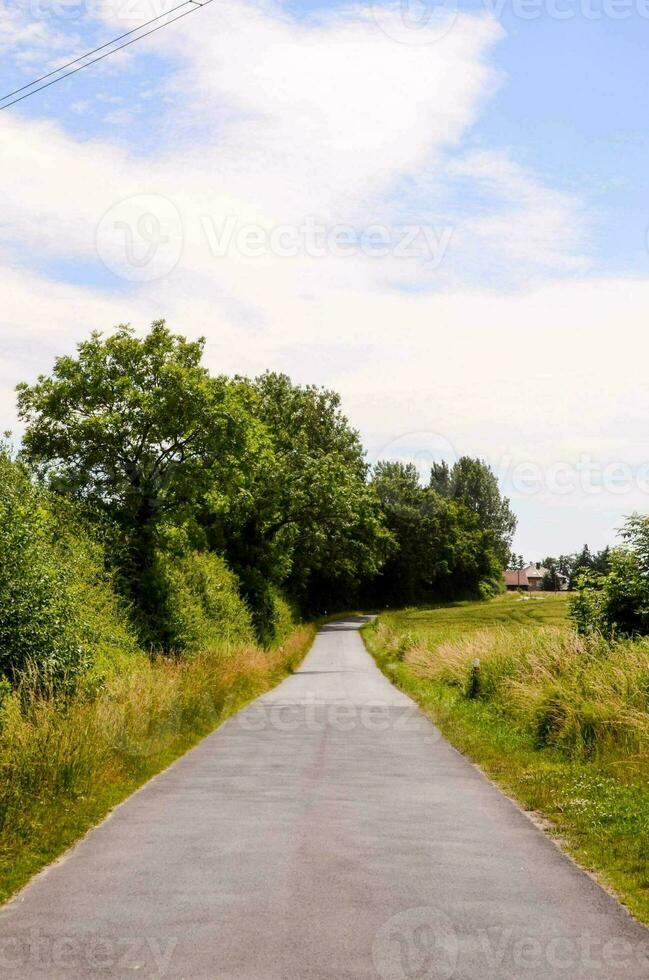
x: 65, y: 759
x: 582, y: 695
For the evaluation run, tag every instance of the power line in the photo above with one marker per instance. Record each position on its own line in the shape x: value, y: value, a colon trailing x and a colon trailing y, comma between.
x: 195, y: 5
x: 94, y: 51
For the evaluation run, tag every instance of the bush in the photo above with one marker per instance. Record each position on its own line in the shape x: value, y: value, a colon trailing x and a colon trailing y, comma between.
x: 200, y: 605
x: 282, y: 620
x: 59, y: 613
x: 35, y: 604
x: 617, y: 603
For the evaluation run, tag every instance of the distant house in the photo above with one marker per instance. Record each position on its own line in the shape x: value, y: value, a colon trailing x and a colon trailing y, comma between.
x: 515, y: 578
x: 530, y: 579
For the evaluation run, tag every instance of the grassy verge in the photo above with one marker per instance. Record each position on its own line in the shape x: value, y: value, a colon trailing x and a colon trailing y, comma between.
x: 561, y: 724
x: 65, y: 763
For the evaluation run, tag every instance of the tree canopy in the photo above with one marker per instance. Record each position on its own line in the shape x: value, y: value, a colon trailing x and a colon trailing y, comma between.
x: 306, y: 518
x: 267, y: 473
x: 444, y: 549
x: 472, y: 483
x: 137, y: 426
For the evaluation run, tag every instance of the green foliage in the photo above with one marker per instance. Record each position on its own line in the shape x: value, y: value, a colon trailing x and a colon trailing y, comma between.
x: 267, y: 473
x: 440, y: 478
x: 615, y: 602
x: 282, y: 619
x: 138, y: 429
x: 586, y: 604
x: 59, y: 614
x: 472, y: 483
x: 199, y: 605
x: 99, y: 616
x: 35, y: 606
x: 174, y: 464
x: 551, y: 581
x: 443, y: 547
x: 136, y: 426
x: 305, y: 519
x: 573, y: 567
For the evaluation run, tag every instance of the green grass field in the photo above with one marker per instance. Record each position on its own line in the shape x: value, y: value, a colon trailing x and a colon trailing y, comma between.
x: 559, y: 722
x: 445, y: 622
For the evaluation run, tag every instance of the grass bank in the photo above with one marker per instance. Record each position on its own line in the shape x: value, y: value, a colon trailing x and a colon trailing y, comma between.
x: 65, y: 761
x: 560, y: 722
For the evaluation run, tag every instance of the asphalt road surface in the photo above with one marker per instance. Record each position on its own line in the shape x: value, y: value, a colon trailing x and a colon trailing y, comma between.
x: 325, y: 831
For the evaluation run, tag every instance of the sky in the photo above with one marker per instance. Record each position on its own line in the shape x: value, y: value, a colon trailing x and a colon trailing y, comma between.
x: 439, y: 210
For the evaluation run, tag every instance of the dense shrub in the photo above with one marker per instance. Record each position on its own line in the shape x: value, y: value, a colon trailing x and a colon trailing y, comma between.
x: 61, y: 615
x: 282, y: 619
x: 35, y: 605
x: 617, y: 603
x: 58, y: 610
x: 200, y: 608
x: 99, y: 617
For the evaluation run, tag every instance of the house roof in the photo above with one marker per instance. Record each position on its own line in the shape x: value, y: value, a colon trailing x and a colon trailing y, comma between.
x: 533, y: 572
x: 521, y: 577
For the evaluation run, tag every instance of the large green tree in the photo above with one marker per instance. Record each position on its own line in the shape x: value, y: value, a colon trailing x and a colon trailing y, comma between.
x: 442, y: 550
x: 136, y: 427
x: 473, y: 483
x: 307, y: 519
x: 582, y: 563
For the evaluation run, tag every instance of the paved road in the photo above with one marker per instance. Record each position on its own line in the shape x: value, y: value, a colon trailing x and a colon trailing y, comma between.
x: 326, y: 831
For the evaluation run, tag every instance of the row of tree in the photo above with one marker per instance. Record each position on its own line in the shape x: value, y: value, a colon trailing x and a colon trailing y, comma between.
x: 164, y: 458
x: 572, y: 567
x: 452, y: 536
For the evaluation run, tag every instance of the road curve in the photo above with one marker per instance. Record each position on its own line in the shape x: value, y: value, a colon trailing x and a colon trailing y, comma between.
x: 325, y: 831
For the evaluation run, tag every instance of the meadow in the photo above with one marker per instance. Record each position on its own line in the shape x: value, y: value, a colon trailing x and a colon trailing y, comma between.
x: 559, y: 721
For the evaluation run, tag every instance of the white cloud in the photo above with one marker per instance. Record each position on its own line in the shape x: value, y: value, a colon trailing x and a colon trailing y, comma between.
x: 527, y: 221
x: 33, y: 36
x: 296, y: 121
x: 269, y: 122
